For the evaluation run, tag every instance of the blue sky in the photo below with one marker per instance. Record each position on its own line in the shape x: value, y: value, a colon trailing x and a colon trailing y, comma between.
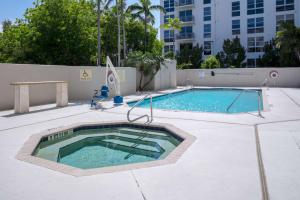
x: 12, y: 9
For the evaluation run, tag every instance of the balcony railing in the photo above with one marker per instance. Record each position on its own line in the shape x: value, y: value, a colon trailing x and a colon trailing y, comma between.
x: 186, y: 18
x: 184, y: 36
x: 169, y: 39
x: 184, y: 2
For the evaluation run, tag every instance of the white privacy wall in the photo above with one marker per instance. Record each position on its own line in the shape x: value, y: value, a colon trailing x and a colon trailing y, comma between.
x: 42, y: 94
x: 239, y: 77
x: 164, y: 79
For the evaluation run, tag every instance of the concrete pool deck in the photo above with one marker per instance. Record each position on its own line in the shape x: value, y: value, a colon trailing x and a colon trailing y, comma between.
x: 235, y: 156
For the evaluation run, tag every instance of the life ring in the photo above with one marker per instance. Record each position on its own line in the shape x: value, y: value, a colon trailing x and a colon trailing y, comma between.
x: 110, y: 78
x: 274, y: 74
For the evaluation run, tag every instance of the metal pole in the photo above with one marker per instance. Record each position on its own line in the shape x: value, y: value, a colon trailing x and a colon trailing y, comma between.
x: 119, y: 35
x: 99, y: 35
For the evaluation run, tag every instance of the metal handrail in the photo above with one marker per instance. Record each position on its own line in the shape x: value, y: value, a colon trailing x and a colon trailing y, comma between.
x: 149, y: 120
x: 258, y: 102
x: 236, y: 98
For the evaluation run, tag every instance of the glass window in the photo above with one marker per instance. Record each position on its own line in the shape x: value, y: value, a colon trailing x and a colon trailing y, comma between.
x: 255, y: 25
x: 284, y: 18
x: 284, y: 5
x: 169, y: 36
x: 186, y: 32
x: 255, y: 7
x: 206, y: 1
x: 207, y: 48
x: 235, y: 8
x: 169, y: 5
x: 256, y: 44
x: 186, y: 15
x: 207, y: 14
x: 236, y: 27
x: 185, y: 2
x: 207, y: 30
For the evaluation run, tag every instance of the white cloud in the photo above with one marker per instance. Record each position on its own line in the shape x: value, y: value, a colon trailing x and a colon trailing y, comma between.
x: 0, y: 27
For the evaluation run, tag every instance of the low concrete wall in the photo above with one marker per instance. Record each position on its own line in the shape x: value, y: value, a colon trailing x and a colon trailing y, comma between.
x: 42, y: 94
x: 243, y: 77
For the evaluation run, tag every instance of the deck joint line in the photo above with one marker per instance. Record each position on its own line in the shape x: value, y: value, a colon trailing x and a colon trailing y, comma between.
x: 262, y: 174
x: 138, y: 185
x: 292, y: 99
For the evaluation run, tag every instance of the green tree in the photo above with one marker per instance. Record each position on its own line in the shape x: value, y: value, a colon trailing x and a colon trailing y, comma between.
x: 210, y: 63
x: 234, y: 53
x: 64, y: 32
x: 6, y: 24
x: 271, y: 57
x: 189, y: 57
x: 288, y: 41
x: 143, y: 11
x: 173, y: 24
x: 148, y: 64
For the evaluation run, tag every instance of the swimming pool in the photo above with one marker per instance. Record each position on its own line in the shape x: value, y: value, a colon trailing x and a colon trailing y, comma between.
x: 221, y: 100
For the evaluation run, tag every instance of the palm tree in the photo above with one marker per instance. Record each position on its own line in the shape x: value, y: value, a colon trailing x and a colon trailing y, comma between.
x: 143, y: 11
x: 173, y: 24
x: 288, y: 39
x: 122, y: 13
x: 101, y: 5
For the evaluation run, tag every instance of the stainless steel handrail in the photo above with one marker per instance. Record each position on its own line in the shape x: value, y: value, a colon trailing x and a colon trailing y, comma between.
x: 258, y: 102
x: 149, y: 120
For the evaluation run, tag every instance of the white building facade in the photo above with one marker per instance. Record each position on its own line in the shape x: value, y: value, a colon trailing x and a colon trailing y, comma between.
x: 209, y: 22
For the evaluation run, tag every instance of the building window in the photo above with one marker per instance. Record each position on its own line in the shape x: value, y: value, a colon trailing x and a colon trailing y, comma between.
x: 207, y: 14
x: 284, y: 5
x: 255, y: 7
x: 284, y: 18
x: 235, y: 6
x: 169, y: 5
x: 236, y: 27
x: 169, y: 36
x: 169, y: 48
x: 166, y: 17
x: 256, y: 25
x: 186, y: 32
x: 207, y: 30
x: 206, y: 1
x: 186, y: 15
x: 207, y: 48
x: 256, y: 44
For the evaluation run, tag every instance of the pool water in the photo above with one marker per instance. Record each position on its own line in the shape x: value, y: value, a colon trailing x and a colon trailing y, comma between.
x: 208, y: 100
x: 102, y: 147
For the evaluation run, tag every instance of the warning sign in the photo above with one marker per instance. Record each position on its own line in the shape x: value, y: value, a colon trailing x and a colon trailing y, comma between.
x: 85, y: 74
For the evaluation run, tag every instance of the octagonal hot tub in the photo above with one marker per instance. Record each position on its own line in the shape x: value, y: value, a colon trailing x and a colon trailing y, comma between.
x: 84, y: 149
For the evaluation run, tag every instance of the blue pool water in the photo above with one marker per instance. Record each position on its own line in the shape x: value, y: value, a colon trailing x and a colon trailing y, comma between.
x: 208, y: 100
x: 97, y: 147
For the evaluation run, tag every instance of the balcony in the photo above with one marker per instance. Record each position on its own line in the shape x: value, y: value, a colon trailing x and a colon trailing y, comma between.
x: 168, y: 40
x: 185, y: 36
x: 184, y: 3
x: 186, y: 19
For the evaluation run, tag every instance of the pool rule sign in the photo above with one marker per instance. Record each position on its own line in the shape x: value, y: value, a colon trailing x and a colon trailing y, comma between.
x: 85, y: 74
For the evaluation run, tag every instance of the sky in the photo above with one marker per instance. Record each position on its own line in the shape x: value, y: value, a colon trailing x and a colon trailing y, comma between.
x: 12, y: 9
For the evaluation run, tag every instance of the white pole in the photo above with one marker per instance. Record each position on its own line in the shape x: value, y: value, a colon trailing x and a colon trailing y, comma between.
x: 119, y: 34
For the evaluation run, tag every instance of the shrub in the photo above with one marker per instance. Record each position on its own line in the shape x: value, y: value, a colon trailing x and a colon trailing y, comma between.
x: 210, y: 63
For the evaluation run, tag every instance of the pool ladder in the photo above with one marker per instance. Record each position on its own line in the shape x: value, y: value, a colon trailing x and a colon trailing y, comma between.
x: 149, y: 119
x: 258, y: 102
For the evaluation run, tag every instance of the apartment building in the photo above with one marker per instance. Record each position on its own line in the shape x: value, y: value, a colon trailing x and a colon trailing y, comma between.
x: 209, y: 22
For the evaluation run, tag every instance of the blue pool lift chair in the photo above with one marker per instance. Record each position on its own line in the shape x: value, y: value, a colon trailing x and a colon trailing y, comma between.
x: 100, y: 95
